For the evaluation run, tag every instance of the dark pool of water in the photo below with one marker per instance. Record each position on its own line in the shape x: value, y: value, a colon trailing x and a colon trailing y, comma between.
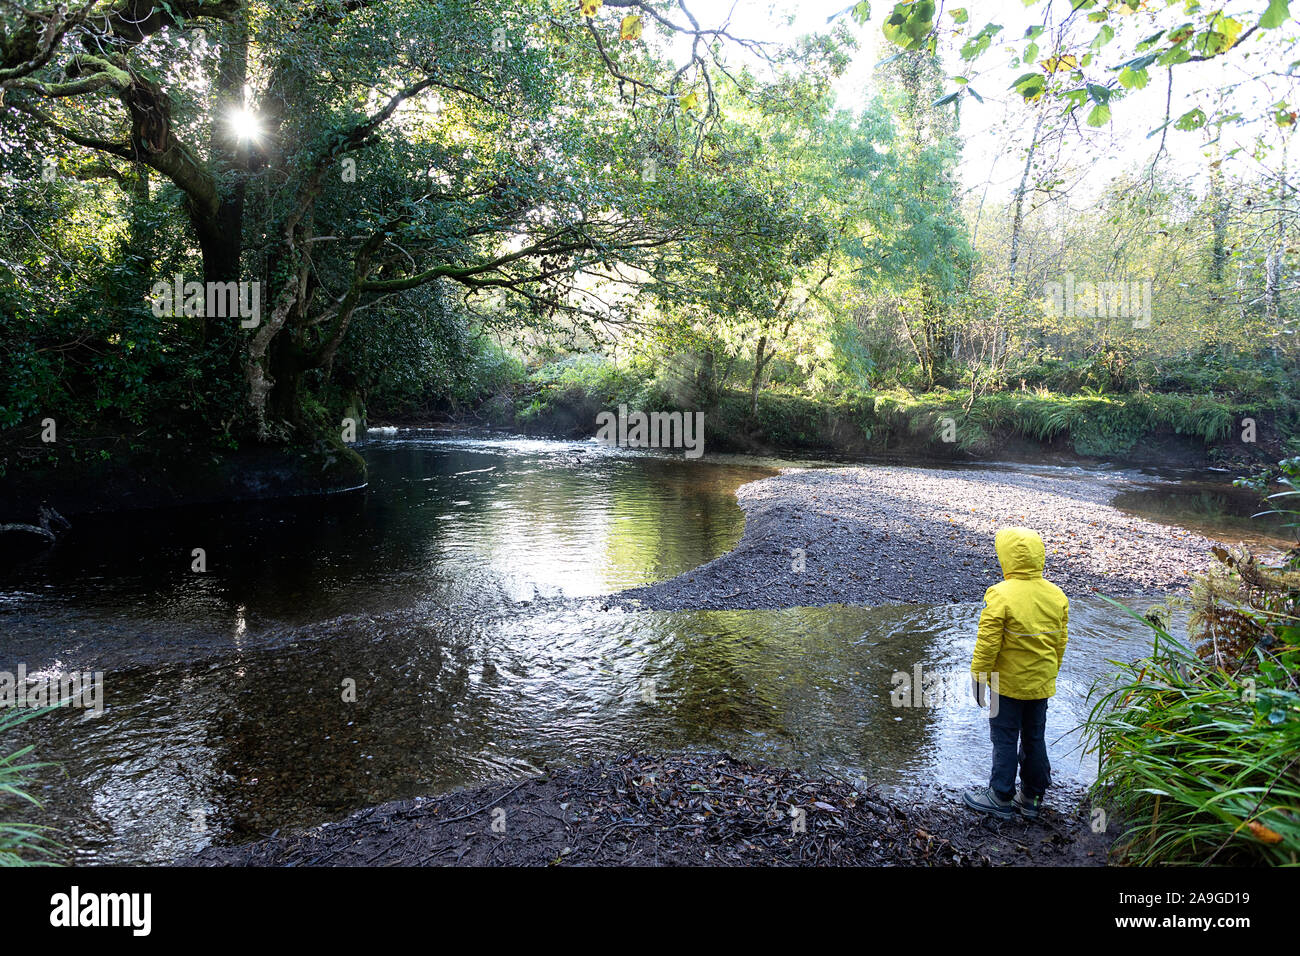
x: 459, y: 596
x: 444, y: 524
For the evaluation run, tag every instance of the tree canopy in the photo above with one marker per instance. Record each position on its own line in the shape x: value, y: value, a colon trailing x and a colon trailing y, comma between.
x: 402, y: 182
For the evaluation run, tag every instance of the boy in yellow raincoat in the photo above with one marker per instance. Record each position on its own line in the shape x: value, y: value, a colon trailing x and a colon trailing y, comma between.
x: 1022, y: 636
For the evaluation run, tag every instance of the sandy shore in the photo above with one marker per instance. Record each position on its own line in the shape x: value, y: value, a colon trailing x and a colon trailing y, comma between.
x: 882, y: 535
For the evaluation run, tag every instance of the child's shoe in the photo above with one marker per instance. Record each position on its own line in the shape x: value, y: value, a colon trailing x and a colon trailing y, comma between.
x: 986, y: 801
x: 1028, y: 806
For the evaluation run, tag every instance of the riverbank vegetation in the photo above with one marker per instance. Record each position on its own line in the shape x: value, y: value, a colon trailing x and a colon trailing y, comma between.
x: 562, y: 398
x: 21, y: 843
x: 1199, y: 742
x: 511, y: 211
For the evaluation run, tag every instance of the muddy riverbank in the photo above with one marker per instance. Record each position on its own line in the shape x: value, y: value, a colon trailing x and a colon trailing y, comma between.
x: 876, y: 535
x: 679, y: 810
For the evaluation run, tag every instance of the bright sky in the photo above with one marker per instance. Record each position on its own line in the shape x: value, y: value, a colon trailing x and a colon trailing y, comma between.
x: 995, y: 132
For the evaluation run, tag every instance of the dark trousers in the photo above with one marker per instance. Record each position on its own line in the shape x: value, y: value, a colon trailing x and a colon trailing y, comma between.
x: 1025, y: 720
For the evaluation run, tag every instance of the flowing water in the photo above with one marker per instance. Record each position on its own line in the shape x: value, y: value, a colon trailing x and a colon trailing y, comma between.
x: 445, y: 628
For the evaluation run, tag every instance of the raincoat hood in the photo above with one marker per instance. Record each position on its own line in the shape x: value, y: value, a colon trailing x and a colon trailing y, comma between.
x: 1020, y: 552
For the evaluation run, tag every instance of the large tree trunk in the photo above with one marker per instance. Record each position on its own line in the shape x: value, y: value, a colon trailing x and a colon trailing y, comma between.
x: 287, y: 370
x: 220, y: 231
x: 219, y: 239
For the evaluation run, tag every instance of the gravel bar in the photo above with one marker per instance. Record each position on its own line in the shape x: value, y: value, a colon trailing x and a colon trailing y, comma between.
x: 898, y: 535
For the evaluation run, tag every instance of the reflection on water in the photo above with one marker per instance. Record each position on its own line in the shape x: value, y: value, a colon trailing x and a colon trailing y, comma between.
x: 239, y: 747
x: 443, y: 524
x: 1218, y: 511
x: 226, y: 714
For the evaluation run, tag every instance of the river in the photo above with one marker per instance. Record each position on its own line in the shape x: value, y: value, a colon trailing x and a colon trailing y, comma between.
x: 445, y: 627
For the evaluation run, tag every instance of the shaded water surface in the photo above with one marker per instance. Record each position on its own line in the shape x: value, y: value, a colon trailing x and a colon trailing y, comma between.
x: 1216, y: 509
x: 459, y: 595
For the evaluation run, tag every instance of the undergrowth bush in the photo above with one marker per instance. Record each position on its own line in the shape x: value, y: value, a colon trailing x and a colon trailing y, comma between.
x: 21, y: 844
x: 1199, y: 742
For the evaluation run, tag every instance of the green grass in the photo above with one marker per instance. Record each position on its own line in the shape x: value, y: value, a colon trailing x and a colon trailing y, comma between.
x: 21, y: 844
x: 1095, y: 424
x: 1202, y: 763
x: 1092, y: 423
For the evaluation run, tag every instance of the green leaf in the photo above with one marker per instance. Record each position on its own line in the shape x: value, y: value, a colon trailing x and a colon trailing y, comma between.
x: 1289, y: 633
x: 1174, y: 56
x: 1104, y: 36
x: 910, y: 24
x: 960, y: 15
x: 1141, y: 62
x: 1132, y: 79
x: 1192, y: 119
x: 1100, y: 115
x: 1075, y: 98
x: 1275, y: 15
x: 1220, y: 37
x: 1030, y: 85
x: 980, y: 41
x: 1143, y: 45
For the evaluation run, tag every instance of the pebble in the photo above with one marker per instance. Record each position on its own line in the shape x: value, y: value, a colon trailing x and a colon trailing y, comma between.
x: 879, y: 535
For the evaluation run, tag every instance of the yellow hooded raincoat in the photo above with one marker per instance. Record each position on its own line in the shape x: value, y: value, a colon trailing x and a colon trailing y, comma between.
x: 1023, y: 626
